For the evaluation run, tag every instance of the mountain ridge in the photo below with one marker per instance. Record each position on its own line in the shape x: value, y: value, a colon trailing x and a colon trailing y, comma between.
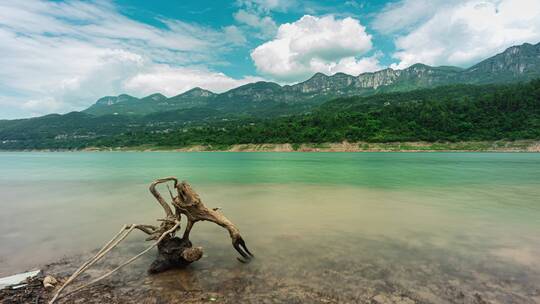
x: 516, y: 63
x: 454, y: 113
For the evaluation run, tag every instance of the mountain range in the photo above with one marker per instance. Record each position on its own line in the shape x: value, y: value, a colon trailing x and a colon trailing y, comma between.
x: 198, y: 112
x: 517, y: 63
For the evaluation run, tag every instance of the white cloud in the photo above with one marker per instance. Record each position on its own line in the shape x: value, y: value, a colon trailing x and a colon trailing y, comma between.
x: 347, y: 65
x: 62, y: 56
x: 469, y: 32
x: 401, y: 15
x: 267, y: 5
x: 265, y: 25
x: 234, y: 35
x: 314, y: 44
x: 48, y: 104
x: 255, y: 16
x: 174, y: 80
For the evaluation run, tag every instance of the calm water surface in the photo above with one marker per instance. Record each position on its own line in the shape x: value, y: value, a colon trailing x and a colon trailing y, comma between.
x: 448, y: 218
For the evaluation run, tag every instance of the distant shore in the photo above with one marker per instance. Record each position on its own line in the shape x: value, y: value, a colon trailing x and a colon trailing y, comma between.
x: 464, y: 146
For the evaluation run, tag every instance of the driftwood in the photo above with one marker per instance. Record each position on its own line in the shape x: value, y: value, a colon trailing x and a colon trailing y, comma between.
x: 175, y: 253
x: 172, y: 251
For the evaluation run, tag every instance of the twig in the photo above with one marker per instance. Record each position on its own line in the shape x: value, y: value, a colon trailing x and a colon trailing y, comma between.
x: 119, y: 237
x: 128, y: 261
x: 170, y: 192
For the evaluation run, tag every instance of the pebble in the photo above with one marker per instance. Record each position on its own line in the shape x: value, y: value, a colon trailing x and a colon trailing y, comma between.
x: 49, y: 282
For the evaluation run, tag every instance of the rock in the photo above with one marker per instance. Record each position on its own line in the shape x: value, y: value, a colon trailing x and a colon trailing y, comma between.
x: 49, y: 282
x: 380, y: 299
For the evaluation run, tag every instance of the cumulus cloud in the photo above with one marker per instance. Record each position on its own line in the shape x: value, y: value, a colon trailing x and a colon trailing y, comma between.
x: 348, y: 65
x: 315, y: 44
x: 468, y: 32
x: 62, y: 56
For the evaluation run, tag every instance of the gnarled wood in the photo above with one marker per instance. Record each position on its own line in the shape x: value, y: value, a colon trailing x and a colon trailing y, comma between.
x: 189, y: 203
x: 175, y: 253
x: 172, y: 251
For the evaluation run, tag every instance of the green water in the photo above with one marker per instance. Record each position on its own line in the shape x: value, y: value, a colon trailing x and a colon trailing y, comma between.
x: 471, y: 218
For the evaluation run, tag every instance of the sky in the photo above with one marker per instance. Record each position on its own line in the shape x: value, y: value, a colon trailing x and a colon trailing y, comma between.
x: 61, y: 56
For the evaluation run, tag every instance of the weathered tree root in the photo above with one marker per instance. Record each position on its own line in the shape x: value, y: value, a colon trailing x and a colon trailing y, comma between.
x: 172, y: 251
x: 175, y: 253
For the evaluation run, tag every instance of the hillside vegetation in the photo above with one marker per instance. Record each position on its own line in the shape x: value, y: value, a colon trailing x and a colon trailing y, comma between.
x: 448, y: 113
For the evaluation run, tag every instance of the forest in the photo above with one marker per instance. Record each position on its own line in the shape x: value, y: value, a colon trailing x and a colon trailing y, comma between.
x: 448, y: 113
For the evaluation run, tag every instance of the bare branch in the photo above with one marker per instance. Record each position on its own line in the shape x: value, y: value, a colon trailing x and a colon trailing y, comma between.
x: 190, y: 204
x: 165, y: 234
x: 161, y: 201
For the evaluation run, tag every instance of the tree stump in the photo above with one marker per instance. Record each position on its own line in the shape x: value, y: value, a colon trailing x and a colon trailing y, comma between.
x: 175, y: 253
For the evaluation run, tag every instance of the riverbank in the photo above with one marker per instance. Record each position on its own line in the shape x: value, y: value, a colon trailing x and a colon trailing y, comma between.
x: 480, y: 146
x: 465, y: 146
x: 374, y: 282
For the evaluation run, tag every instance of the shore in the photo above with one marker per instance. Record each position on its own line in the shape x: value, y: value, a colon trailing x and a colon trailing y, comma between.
x: 413, y: 280
x: 480, y: 146
x: 464, y: 146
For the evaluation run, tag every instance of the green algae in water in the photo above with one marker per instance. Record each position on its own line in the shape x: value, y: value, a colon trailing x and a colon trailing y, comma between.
x: 430, y: 225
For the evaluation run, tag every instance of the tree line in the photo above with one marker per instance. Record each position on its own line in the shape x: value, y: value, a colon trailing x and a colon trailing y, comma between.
x: 449, y: 113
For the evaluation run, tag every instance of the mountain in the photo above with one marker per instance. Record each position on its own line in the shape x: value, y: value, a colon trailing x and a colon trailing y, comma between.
x: 195, y: 97
x: 455, y: 113
x: 517, y: 63
x: 126, y: 104
x: 129, y: 105
x: 196, y: 93
x: 111, y: 100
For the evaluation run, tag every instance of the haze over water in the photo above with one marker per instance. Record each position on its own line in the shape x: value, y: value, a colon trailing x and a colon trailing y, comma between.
x: 338, y: 221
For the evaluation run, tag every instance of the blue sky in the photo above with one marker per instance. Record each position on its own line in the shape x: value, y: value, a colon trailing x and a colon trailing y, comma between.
x: 217, y: 14
x: 60, y: 56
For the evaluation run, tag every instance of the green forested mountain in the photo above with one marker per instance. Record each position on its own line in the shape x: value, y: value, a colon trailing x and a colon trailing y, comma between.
x: 491, y: 100
x: 447, y: 113
x: 518, y: 63
x: 129, y: 105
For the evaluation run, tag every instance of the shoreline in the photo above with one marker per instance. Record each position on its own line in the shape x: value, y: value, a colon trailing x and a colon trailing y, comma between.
x: 371, y: 281
x: 518, y: 146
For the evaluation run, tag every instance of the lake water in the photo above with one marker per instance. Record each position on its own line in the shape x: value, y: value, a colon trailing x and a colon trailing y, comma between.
x: 434, y: 227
